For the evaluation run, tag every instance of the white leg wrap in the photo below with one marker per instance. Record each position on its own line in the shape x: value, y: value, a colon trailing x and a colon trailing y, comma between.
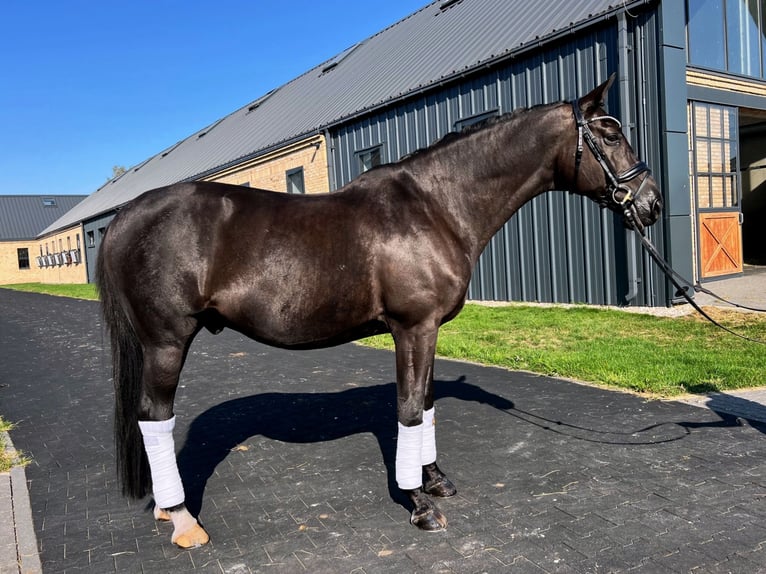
x: 160, y: 449
x: 409, y: 471
x: 428, y: 451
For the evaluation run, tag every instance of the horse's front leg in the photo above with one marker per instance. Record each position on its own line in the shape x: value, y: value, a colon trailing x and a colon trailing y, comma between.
x: 156, y: 422
x: 416, y: 442
x: 435, y: 481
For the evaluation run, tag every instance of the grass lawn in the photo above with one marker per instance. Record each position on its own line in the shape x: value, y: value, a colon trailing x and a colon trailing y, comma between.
x: 662, y: 356
x: 62, y: 290
x: 6, y: 459
x: 644, y: 353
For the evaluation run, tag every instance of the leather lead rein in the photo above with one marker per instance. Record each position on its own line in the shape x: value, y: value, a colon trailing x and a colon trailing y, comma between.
x: 674, y: 278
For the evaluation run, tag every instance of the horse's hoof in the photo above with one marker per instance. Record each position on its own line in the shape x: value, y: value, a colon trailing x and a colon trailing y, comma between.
x: 429, y: 519
x: 192, y: 538
x: 161, y: 515
x: 441, y: 487
x: 436, y: 483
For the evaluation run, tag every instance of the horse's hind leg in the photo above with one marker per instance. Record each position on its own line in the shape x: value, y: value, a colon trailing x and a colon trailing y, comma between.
x: 162, y: 366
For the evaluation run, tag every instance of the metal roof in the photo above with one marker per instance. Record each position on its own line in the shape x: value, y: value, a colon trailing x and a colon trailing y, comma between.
x: 23, y: 217
x: 438, y: 43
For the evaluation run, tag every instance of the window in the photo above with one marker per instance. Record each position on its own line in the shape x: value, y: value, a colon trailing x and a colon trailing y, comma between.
x: 460, y: 125
x: 295, y: 180
x: 368, y: 158
x: 743, y: 39
x: 449, y: 4
x: 706, y: 33
x: 257, y: 103
x: 334, y: 62
x: 727, y: 35
x: 91, y: 237
x: 715, y: 154
x: 49, y: 202
x: 23, y: 254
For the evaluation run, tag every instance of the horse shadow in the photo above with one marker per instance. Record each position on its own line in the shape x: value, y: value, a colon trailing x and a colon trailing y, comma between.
x: 734, y: 411
x: 305, y: 418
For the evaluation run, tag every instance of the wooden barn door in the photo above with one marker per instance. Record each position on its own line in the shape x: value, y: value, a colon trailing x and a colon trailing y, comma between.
x: 715, y: 179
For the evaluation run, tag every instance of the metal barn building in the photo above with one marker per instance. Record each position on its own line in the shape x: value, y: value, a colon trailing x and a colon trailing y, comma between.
x: 690, y: 92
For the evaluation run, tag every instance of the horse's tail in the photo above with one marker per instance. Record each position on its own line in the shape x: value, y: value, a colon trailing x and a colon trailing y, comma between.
x: 127, y: 366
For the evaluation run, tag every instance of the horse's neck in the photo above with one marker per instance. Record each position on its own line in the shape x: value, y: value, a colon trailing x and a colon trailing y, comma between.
x: 485, y: 177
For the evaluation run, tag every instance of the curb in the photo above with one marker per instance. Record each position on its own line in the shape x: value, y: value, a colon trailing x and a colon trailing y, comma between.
x: 15, y: 505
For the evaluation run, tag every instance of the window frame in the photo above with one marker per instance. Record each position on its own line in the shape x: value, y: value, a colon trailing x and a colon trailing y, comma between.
x: 22, y: 254
x: 290, y: 174
x: 469, y: 121
x: 733, y: 39
x: 705, y: 139
x: 360, y: 166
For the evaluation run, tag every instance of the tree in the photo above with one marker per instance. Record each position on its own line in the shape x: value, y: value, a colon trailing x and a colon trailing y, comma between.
x: 117, y: 171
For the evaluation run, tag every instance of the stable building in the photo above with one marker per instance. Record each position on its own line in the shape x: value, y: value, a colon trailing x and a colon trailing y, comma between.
x: 24, y: 258
x: 691, y: 93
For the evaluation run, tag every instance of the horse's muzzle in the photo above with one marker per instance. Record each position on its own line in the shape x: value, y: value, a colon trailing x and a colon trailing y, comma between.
x: 643, y: 214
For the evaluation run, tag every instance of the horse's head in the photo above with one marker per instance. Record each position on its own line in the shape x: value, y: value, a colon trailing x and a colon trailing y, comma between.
x: 602, y: 165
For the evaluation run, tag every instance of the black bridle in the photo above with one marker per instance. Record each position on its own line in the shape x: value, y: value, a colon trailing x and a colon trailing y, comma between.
x: 615, y: 181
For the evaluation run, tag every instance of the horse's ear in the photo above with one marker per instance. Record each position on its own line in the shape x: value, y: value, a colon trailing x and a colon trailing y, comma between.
x: 595, y: 99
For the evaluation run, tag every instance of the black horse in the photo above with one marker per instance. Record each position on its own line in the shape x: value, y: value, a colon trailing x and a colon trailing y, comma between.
x: 391, y: 252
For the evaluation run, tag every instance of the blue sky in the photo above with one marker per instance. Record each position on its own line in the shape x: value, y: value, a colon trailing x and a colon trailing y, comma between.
x: 86, y: 85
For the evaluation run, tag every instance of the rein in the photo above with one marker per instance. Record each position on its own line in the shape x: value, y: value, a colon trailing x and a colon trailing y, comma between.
x: 616, y: 183
x: 677, y: 279
x: 697, y: 287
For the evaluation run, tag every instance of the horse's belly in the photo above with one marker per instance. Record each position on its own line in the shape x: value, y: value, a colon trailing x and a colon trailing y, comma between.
x: 312, y: 337
x: 294, y: 322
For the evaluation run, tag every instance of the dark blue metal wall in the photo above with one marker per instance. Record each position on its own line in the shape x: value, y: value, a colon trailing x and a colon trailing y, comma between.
x: 559, y: 247
x: 96, y: 228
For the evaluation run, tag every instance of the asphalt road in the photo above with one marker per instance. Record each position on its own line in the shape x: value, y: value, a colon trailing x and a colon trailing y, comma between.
x: 288, y: 458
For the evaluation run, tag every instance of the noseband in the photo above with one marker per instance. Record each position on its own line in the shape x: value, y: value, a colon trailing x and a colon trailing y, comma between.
x: 615, y: 181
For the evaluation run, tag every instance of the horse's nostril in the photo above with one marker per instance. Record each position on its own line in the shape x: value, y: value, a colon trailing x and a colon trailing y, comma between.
x: 657, y: 208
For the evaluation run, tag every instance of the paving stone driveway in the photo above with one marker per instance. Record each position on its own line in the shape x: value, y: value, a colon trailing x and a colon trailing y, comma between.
x: 288, y: 457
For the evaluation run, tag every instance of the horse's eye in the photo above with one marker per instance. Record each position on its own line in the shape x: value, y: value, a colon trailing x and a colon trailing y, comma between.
x: 612, y: 138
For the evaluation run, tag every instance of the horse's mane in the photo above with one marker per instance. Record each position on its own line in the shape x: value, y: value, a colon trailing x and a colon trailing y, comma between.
x: 464, y: 133
x: 471, y: 129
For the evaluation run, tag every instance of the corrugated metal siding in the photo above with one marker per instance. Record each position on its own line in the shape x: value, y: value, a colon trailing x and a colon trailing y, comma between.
x: 647, y: 85
x: 559, y: 247
x: 94, y: 228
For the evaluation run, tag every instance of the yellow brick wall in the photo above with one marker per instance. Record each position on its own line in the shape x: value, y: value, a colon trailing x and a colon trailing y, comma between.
x: 65, y: 273
x: 269, y: 171
x: 64, y: 242
x: 9, y: 263
x: 721, y: 82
